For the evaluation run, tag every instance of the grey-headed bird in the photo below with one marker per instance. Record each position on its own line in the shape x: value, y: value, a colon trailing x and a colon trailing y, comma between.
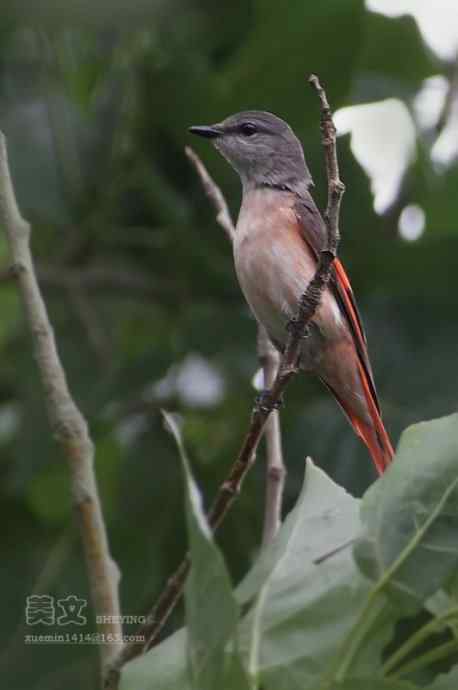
x: 278, y: 238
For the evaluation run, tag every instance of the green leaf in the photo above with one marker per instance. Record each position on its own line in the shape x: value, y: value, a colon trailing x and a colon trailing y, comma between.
x: 324, y: 518
x: 295, y: 636
x: 309, y: 590
x: 211, y: 610
x: 411, y: 516
x: 163, y: 667
x: 210, y: 642
x: 315, y: 621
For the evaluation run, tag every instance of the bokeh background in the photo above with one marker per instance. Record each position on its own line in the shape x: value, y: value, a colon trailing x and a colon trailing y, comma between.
x: 96, y: 99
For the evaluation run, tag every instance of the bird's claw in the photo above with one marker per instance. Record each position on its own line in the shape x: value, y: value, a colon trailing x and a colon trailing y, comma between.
x: 295, y: 328
x: 264, y: 402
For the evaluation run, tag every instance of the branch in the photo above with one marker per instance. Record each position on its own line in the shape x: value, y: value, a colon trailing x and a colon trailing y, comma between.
x: 68, y: 425
x: 214, y: 193
x: 336, y: 188
x: 269, y: 359
x: 297, y: 328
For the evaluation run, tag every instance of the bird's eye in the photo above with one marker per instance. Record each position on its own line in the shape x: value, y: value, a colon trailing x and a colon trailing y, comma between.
x: 248, y: 129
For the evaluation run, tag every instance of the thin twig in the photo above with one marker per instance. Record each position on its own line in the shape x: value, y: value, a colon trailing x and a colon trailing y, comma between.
x: 297, y: 328
x: 214, y: 193
x: 336, y: 187
x: 269, y: 359
x: 68, y: 424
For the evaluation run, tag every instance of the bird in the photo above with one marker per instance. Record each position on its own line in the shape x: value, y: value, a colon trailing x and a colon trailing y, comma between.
x: 278, y: 239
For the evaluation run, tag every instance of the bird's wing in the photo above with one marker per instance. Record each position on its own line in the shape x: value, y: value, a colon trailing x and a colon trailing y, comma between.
x: 313, y: 231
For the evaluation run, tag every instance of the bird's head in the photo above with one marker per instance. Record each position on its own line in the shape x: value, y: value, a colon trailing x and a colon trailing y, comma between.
x: 262, y: 148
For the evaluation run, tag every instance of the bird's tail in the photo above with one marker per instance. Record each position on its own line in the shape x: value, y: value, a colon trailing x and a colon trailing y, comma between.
x: 374, y: 435
x: 372, y: 432
x: 377, y: 442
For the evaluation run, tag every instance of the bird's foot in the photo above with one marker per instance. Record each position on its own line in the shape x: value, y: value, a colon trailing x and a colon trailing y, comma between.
x: 265, y: 404
x: 297, y: 329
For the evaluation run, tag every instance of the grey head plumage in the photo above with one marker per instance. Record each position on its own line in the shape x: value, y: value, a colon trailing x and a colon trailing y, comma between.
x: 262, y: 148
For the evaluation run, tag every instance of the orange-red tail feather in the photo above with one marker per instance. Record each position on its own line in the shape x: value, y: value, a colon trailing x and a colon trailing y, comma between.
x: 313, y: 232
x: 375, y: 437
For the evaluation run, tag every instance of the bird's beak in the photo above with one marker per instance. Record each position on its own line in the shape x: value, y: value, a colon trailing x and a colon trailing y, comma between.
x: 209, y: 132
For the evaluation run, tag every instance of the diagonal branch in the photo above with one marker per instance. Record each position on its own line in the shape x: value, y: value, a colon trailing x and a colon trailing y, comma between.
x: 308, y: 304
x: 214, y: 193
x: 68, y: 425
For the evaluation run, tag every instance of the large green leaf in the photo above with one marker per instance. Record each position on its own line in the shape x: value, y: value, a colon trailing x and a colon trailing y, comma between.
x: 303, y: 582
x: 211, y: 613
x: 211, y: 610
x: 310, y: 593
x: 295, y: 632
x: 163, y: 667
x: 324, y: 519
x: 411, y: 516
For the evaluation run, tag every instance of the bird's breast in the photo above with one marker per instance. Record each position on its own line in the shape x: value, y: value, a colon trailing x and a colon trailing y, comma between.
x: 274, y: 264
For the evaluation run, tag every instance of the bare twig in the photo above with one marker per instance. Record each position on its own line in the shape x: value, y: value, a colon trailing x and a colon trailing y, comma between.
x: 214, y: 193
x: 336, y: 188
x: 297, y: 328
x: 308, y: 304
x: 269, y: 359
x: 68, y: 425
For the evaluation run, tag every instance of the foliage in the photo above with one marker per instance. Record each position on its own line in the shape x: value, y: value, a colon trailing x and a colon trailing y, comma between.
x: 323, y: 602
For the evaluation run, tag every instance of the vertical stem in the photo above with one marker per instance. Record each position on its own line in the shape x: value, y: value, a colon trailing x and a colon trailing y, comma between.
x: 269, y: 359
x: 68, y: 424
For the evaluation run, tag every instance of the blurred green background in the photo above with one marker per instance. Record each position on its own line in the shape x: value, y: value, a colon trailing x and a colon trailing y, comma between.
x: 95, y: 100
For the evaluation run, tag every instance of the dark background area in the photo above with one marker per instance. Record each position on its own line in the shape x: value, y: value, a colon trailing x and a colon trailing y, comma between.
x: 95, y: 100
